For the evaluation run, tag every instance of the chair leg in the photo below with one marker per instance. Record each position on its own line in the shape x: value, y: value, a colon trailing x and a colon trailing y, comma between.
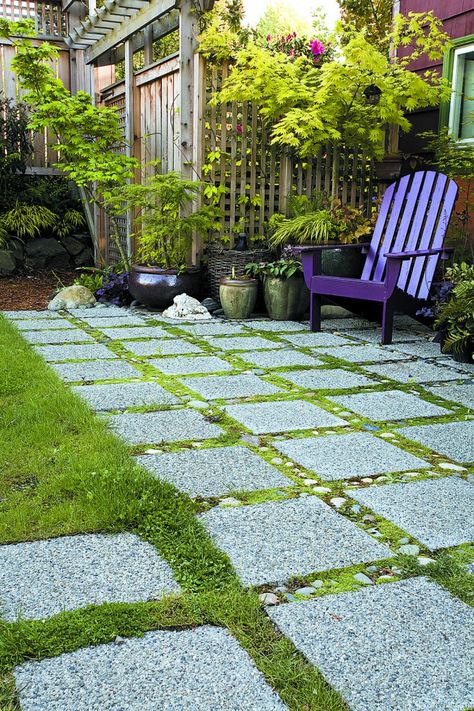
x: 387, y: 323
x: 315, y: 312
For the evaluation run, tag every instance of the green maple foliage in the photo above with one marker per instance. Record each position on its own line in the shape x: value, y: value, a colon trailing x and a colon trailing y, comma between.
x: 310, y: 106
x: 89, y: 141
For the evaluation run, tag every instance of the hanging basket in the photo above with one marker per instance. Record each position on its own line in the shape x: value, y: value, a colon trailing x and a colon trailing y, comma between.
x: 221, y: 262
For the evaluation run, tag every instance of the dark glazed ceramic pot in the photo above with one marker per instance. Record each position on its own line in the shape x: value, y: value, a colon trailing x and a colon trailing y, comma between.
x: 343, y: 262
x: 156, y: 288
x: 286, y: 299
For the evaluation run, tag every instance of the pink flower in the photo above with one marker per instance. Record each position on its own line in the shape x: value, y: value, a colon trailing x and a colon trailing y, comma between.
x: 269, y: 38
x: 239, y: 128
x: 317, y: 47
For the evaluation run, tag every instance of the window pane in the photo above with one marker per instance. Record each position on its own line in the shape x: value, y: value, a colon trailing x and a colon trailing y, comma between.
x: 466, y: 117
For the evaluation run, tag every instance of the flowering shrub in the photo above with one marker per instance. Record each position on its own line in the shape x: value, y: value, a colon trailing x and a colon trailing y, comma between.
x: 294, y: 46
x: 114, y: 290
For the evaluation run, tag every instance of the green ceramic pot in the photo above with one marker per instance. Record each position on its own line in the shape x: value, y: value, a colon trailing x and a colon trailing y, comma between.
x: 286, y: 299
x: 238, y: 296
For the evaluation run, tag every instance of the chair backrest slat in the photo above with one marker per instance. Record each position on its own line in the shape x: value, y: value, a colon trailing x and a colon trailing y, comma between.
x: 414, y: 214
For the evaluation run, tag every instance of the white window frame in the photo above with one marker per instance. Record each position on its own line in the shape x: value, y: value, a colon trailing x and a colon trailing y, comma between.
x: 456, y: 95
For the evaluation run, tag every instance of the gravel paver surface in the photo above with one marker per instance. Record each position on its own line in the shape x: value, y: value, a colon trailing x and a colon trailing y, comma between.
x: 464, y: 394
x: 43, y: 324
x: 113, y: 321
x: 370, y: 335
x: 314, y: 340
x: 345, y: 456
x: 89, y: 351
x: 95, y: 370
x: 404, y: 646
x: 279, y: 359
x: 120, y: 396
x: 453, y: 439
x: 133, y: 332
x: 327, y: 379
x: 165, y: 346
x: 156, y: 427
x: 276, y: 326
x: 70, y: 335
x: 203, y: 669
x: 230, y: 386
x: 214, y: 328
x: 214, y: 472
x: 284, y: 416
x: 21, y: 315
x: 364, y: 354
x: 181, y: 365
x: 277, y: 540
x: 242, y: 343
x: 101, y: 312
x: 415, y: 371
x: 42, y: 578
x: 438, y: 512
x: 422, y: 349
x: 389, y: 405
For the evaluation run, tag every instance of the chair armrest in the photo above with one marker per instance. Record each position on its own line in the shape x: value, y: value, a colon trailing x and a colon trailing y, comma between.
x: 445, y: 253
x: 319, y: 247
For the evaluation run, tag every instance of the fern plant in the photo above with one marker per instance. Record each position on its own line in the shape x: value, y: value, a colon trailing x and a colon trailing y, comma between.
x: 28, y: 221
x: 456, y: 316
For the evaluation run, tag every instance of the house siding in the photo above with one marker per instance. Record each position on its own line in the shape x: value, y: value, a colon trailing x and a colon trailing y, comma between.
x: 458, y: 21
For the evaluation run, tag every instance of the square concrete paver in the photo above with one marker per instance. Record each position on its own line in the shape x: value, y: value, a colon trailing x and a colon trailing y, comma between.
x: 422, y: 349
x: 464, y: 394
x: 213, y: 328
x: 364, y: 354
x: 314, y: 340
x: 285, y: 416
x: 202, y: 669
x: 276, y: 326
x: 279, y: 359
x: 43, y: 578
x: 112, y: 321
x: 277, y: 540
x: 89, y: 351
x: 20, y: 315
x: 95, y: 370
x: 242, y: 343
x: 120, y: 396
x: 214, y: 472
x: 41, y: 324
x: 345, y: 324
x: 375, y: 335
x: 438, y: 512
x: 389, y: 405
x: 327, y: 379
x: 167, y: 346
x: 101, y: 311
x: 230, y: 386
x: 415, y: 371
x: 133, y: 332
x: 345, y: 456
x: 70, y: 335
x: 453, y: 439
x: 191, y: 366
x: 156, y: 427
x: 404, y: 646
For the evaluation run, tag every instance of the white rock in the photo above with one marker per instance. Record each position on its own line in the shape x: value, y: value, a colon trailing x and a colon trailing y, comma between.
x: 425, y: 561
x: 308, y: 482
x: 338, y: 502
x: 229, y: 501
x: 268, y: 599
x: 187, y: 308
x: 409, y: 549
x: 321, y: 490
x: 451, y: 467
x: 72, y: 297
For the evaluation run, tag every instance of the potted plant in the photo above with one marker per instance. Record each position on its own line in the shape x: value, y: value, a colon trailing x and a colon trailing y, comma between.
x: 165, y: 222
x: 238, y: 295
x: 455, y: 317
x: 285, y: 292
x: 320, y: 220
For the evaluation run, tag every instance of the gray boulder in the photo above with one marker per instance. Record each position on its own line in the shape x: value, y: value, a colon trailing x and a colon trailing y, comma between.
x: 7, y: 262
x: 72, y: 245
x: 84, y: 259
x: 46, y: 252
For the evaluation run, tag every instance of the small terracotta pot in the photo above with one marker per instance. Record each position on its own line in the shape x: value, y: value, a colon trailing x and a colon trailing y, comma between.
x: 238, y: 296
x: 156, y: 287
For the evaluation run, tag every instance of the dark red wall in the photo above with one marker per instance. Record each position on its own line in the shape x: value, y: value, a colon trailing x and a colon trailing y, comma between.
x: 458, y: 21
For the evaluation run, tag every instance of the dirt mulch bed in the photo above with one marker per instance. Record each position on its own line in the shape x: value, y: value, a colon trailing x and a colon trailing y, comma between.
x: 26, y: 291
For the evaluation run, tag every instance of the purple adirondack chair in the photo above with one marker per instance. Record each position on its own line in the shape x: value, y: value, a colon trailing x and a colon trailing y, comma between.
x: 402, y: 256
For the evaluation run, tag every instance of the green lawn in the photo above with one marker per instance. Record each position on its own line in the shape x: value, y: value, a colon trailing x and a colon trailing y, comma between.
x: 62, y: 472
